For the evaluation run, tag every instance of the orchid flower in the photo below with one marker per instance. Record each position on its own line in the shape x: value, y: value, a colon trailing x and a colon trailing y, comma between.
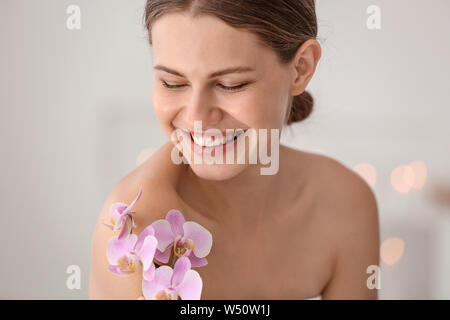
x: 121, y: 215
x: 185, y: 239
x: 172, y: 284
x: 125, y: 253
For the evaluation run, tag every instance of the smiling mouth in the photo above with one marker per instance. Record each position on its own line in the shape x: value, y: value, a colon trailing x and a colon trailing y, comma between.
x: 212, y: 141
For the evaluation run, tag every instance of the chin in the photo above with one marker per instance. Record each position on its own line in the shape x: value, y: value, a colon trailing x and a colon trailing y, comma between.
x: 217, y: 172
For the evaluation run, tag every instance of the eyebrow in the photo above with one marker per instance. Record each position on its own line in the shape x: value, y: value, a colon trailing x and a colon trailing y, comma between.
x: 212, y: 75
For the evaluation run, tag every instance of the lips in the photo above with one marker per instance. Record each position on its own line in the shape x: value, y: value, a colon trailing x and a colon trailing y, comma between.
x: 208, y: 133
x: 208, y: 140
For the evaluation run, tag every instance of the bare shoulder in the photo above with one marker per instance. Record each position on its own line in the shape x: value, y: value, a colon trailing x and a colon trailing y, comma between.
x: 353, y: 227
x: 154, y: 177
x: 338, y: 193
x: 332, y: 177
x: 347, y: 191
x: 348, y: 213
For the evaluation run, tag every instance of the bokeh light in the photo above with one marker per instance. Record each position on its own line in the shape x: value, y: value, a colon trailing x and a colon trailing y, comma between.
x: 420, y: 174
x: 402, y: 178
x: 391, y: 250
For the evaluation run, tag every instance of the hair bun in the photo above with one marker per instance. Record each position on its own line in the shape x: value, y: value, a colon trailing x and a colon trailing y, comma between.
x: 302, y: 106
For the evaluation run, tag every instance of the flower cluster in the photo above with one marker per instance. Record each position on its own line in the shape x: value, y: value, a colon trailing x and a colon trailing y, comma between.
x: 172, y: 243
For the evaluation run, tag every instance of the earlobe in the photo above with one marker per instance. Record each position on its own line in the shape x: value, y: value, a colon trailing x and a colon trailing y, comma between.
x: 305, y: 63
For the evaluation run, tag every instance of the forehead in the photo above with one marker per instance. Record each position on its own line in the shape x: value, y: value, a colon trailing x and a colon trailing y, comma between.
x: 205, y: 43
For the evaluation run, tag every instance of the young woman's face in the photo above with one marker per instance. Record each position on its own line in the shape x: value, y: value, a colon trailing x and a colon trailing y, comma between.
x: 186, y: 51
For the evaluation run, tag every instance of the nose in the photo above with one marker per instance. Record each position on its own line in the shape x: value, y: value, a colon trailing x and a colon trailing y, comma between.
x: 200, y: 107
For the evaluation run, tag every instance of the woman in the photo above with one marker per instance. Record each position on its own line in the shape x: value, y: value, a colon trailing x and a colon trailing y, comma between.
x: 311, y: 228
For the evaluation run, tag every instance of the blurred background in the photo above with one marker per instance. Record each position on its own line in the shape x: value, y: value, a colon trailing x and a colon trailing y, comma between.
x: 76, y: 116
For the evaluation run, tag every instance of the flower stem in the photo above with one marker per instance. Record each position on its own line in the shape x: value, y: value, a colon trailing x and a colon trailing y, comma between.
x: 173, y: 261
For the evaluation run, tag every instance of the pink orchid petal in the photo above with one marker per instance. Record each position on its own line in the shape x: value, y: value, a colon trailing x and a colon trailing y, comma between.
x: 148, y: 231
x: 123, y: 233
x: 196, y: 261
x: 150, y: 288
x: 127, y: 226
x: 128, y: 209
x: 141, y: 298
x: 149, y: 274
x: 202, y: 238
x: 117, y: 248
x: 147, y: 252
x: 116, y: 209
x: 161, y: 281
x: 163, y: 256
x: 191, y: 287
x: 180, y: 268
x: 121, y: 221
x: 163, y: 233
x: 163, y: 275
x: 118, y: 270
x: 176, y: 220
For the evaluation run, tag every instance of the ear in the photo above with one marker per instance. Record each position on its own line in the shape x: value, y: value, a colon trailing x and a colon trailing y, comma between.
x: 304, y: 65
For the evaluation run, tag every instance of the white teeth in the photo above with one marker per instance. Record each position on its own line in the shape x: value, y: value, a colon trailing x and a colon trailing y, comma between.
x: 209, y: 142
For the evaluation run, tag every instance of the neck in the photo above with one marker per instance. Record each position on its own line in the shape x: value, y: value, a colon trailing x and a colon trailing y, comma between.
x: 240, y: 202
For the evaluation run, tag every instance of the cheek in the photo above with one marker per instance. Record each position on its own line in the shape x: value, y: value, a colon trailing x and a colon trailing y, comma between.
x: 165, y: 110
x: 274, y: 111
x: 262, y: 109
x: 241, y: 107
x: 274, y: 101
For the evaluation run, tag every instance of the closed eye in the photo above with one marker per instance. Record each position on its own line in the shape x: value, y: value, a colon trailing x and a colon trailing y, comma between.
x: 168, y: 86
x: 233, y: 88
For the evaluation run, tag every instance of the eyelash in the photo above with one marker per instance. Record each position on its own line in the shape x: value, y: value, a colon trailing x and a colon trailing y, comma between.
x: 166, y: 85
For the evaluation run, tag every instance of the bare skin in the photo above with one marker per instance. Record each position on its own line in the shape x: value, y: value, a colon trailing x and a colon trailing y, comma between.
x: 317, y: 236
x: 311, y: 229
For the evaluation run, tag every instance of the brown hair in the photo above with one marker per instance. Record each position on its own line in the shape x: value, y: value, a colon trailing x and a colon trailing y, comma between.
x: 283, y: 25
